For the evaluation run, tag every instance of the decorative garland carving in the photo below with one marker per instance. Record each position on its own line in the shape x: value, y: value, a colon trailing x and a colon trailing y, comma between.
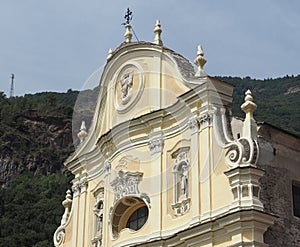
x: 126, y: 184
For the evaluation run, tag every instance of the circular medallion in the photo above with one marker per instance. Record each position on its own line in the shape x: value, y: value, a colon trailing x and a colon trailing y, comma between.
x: 129, y: 85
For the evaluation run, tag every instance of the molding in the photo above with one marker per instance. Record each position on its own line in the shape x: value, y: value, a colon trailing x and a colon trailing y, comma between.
x: 209, y: 231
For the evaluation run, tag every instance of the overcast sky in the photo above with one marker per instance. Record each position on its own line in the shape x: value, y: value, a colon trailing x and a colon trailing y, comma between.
x: 56, y: 45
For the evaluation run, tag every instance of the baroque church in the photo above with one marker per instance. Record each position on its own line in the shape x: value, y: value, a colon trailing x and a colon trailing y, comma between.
x: 164, y: 163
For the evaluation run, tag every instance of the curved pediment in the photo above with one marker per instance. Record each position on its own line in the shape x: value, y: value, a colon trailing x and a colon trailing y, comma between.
x: 139, y: 78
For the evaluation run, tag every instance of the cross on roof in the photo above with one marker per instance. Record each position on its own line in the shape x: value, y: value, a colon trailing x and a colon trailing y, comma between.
x: 128, y: 16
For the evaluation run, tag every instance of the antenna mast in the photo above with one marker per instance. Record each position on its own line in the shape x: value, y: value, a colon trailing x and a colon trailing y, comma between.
x: 11, y: 93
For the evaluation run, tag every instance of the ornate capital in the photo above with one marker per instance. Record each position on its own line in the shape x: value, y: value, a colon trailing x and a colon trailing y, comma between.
x: 83, y: 186
x: 205, y: 120
x: 156, y: 145
x: 194, y: 125
x: 76, y: 190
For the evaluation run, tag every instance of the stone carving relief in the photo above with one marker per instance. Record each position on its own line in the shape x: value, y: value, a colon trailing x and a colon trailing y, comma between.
x: 126, y: 87
x: 98, y: 218
x: 126, y: 184
x: 107, y: 168
x: 201, y: 122
x: 181, y: 181
x: 129, y: 87
x: 126, y: 195
x: 156, y: 145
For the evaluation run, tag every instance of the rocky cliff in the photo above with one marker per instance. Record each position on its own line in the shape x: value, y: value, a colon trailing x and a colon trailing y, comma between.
x: 34, y: 143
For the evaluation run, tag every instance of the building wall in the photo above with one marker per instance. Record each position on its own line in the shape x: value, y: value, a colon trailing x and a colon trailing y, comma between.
x: 281, y: 161
x: 169, y: 148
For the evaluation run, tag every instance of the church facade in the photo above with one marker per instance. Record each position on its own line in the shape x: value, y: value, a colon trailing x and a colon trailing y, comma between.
x: 165, y: 164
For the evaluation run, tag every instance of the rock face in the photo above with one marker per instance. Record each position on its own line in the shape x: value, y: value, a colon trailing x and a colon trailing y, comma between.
x: 38, y: 144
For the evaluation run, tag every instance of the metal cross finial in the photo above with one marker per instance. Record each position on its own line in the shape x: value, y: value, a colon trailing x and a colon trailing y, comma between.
x: 128, y: 16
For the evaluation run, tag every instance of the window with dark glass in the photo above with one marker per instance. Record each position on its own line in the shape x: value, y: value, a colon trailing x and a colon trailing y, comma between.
x: 138, y: 218
x: 296, y: 200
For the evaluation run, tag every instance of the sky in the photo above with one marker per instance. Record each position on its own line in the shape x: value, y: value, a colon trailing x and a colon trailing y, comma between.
x: 56, y: 45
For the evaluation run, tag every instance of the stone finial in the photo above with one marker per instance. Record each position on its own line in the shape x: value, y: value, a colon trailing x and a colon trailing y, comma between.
x: 67, y: 205
x: 248, y: 106
x: 110, y: 52
x: 128, y: 34
x: 200, y: 61
x: 250, y: 126
x: 157, y: 31
x: 82, y: 133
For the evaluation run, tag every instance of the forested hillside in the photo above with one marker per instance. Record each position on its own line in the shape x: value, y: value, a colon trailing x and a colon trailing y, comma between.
x: 36, y: 138
x: 278, y: 100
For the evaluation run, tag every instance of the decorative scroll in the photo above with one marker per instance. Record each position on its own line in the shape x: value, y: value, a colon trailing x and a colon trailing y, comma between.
x: 244, y: 151
x: 59, y: 236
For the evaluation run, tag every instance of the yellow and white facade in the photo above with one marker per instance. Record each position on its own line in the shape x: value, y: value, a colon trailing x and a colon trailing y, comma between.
x: 159, y: 165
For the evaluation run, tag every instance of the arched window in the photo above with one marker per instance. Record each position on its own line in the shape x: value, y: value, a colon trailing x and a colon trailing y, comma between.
x: 130, y: 212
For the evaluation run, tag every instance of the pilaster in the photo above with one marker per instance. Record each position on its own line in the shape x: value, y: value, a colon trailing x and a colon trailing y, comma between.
x: 156, y: 145
x: 205, y: 120
x: 194, y: 166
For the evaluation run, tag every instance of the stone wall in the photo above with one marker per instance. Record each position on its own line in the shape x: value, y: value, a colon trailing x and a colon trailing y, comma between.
x: 280, y: 161
x: 276, y: 195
